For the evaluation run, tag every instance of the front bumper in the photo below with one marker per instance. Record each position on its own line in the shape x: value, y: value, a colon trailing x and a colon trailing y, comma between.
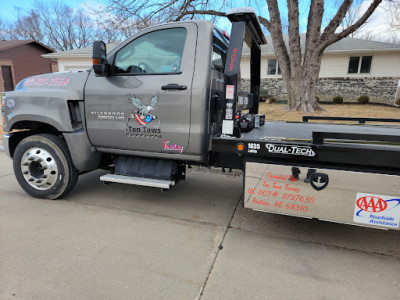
x: 6, y: 140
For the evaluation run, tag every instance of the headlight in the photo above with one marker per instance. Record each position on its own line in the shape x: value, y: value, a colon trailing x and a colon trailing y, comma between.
x: 3, y: 101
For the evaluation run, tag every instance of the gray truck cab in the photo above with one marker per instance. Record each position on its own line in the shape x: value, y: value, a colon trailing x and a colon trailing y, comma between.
x: 151, y: 105
x: 154, y: 99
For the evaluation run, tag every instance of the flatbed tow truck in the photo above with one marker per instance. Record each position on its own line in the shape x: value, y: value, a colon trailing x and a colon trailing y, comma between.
x: 169, y: 97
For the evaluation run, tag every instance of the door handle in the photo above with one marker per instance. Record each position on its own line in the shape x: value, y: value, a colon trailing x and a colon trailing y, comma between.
x: 174, y: 86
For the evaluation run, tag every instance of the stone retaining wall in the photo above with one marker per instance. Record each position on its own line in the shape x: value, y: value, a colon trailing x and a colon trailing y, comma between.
x: 378, y: 89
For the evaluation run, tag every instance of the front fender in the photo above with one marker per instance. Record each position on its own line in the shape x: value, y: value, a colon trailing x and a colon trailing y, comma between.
x: 46, y: 106
x: 83, y: 155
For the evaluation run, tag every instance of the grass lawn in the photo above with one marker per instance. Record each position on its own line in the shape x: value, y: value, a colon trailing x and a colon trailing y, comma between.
x: 277, y: 112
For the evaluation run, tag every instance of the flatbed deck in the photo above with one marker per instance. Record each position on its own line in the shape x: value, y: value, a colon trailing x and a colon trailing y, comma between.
x: 304, y: 131
x: 373, y: 148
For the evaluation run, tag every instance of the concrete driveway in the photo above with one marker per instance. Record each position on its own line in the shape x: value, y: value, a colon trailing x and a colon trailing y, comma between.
x: 192, y: 242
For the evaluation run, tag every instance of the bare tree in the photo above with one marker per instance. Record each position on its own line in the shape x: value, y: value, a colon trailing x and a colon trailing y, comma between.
x: 147, y: 12
x: 394, y: 8
x: 353, y: 14
x: 385, y: 21
x: 28, y: 27
x: 4, y: 30
x: 64, y: 28
x: 57, y: 25
x: 300, y: 70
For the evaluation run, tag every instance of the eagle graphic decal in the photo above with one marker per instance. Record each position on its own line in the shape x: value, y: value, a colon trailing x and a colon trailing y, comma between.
x: 143, y: 114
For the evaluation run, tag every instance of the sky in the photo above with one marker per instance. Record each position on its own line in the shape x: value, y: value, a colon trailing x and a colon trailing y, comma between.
x: 377, y: 25
x: 9, y: 13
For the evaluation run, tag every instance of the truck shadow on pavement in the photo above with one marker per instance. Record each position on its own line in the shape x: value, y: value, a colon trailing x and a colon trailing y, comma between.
x: 213, y: 198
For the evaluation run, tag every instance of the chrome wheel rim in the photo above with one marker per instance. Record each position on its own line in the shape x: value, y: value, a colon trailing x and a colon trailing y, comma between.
x: 39, y: 168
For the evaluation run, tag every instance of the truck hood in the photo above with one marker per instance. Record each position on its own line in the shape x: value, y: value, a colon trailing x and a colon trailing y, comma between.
x: 44, y: 99
x: 71, y: 82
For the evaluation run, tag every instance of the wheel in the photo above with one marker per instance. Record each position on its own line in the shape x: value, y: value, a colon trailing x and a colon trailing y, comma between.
x: 43, y: 166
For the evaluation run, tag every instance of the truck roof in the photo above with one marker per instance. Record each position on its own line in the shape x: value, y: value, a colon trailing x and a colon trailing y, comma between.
x: 200, y: 23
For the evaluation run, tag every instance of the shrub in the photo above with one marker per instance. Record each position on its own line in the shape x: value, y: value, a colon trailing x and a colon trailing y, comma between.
x: 263, y: 98
x: 263, y: 93
x: 363, y: 99
x: 272, y: 99
x: 337, y: 100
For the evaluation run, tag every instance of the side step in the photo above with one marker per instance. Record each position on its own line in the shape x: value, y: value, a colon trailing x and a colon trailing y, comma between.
x: 158, y: 183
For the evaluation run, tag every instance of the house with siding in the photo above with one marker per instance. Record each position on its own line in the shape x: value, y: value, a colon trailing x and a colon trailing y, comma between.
x: 350, y: 68
x: 20, y: 59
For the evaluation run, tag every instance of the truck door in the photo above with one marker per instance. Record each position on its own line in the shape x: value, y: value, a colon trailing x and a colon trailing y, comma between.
x: 144, y: 103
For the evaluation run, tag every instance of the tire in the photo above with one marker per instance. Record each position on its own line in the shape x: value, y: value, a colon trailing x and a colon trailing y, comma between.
x: 43, y: 166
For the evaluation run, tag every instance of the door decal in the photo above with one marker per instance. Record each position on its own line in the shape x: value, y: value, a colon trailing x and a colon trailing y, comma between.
x: 142, y: 116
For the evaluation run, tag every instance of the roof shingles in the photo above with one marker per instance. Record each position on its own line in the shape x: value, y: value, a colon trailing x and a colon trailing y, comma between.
x: 344, y: 45
x: 5, y: 45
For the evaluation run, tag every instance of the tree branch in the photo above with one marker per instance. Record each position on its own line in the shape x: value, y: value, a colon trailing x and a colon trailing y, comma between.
x: 294, y: 35
x: 275, y: 28
x: 313, y: 29
x: 338, y: 36
x: 361, y: 21
x: 337, y: 19
x: 265, y: 22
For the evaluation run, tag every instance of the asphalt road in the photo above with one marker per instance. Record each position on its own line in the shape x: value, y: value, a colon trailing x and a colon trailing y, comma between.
x: 192, y: 242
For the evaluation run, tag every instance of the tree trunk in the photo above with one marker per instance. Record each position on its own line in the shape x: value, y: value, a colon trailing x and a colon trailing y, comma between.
x: 301, y: 86
x: 300, y: 70
x: 301, y: 95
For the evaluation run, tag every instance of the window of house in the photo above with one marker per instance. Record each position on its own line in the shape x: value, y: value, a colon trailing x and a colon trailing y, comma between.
x: 360, y: 64
x: 157, y: 52
x: 273, y: 67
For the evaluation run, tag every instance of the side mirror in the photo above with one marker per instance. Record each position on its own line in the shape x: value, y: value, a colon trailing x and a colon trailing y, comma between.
x: 100, y: 64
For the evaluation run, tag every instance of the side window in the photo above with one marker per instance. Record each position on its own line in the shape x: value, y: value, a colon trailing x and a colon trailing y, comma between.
x: 158, y: 52
x: 218, y: 53
x: 353, y: 64
x: 273, y: 67
x: 359, y: 64
x: 366, y: 64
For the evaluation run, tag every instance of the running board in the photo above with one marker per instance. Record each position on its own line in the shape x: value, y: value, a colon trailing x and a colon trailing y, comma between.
x: 158, y: 183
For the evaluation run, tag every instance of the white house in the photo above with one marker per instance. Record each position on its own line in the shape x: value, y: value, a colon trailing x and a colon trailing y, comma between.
x: 75, y: 60
x: 350, y: 68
